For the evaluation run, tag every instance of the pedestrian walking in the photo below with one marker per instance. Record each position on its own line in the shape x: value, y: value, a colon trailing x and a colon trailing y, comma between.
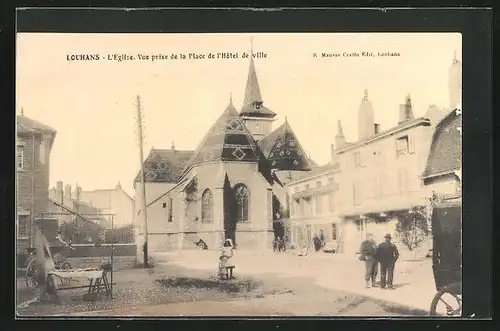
x: 368, y: 252
x: 387, y: 254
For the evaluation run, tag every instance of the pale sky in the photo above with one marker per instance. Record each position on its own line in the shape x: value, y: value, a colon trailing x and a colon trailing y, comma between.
x: 91, y: 104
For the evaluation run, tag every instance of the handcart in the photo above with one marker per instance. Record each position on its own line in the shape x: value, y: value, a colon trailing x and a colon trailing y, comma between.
x: 447, y: 257
x: 60, y: 263
x: 61, y: 278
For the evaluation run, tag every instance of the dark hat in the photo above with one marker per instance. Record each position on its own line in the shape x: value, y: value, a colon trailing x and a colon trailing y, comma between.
x: 388, y: 236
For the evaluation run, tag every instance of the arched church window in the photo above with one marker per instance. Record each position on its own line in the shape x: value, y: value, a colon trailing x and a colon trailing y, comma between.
x: 207, y: 207
x: 241, y: 195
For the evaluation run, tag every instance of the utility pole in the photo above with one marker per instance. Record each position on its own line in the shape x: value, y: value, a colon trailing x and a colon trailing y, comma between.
x: 141, y: 153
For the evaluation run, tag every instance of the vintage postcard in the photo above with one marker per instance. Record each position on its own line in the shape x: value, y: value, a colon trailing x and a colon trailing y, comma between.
x: 239, y: 174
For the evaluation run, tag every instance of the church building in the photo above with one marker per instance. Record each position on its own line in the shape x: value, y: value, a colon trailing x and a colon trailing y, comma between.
x: 230, y: 186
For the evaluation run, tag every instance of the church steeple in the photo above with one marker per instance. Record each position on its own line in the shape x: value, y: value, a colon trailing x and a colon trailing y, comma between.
x: 255, y: 115
x: 252, y: 91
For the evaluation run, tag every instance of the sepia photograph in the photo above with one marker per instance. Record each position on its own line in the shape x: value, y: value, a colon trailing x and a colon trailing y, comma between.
x: 238, y: 174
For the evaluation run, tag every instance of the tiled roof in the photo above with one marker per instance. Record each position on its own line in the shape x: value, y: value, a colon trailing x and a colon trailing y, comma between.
x: 25, y: 124
x: 283, y: 150
x: 446, y: 148
x: 266, y: 144
x: 401, y: 126
x: 316, y: 170
x: 227, y: 140
x: 164, y: 165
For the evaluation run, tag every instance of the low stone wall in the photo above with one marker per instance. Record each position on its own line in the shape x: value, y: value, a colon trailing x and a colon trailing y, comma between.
x: 86, y: 256
x: 85, y: 250
x: 119, y: 262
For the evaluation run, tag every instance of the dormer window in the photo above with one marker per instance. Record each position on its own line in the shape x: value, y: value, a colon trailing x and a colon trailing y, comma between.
x: 258, y: 104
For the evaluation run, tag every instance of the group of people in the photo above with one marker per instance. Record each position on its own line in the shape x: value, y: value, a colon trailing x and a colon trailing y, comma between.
x: 385, y: 254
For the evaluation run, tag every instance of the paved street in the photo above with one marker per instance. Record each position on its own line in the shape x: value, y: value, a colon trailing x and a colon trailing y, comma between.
x: 414, y: 284
x: 286, y: 285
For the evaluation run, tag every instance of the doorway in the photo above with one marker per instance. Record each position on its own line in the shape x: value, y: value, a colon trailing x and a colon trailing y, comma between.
x: 229, y: 212
x: 279, y: 229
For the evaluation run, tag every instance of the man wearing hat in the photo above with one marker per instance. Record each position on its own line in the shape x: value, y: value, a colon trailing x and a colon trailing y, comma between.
x: 387, y: 255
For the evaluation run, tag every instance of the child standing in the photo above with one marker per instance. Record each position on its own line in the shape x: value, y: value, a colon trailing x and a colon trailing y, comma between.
x: 225, y: 260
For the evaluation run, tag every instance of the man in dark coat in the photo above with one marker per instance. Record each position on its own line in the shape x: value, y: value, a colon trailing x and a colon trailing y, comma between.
x: 368, y: 252
x: 387, y: 255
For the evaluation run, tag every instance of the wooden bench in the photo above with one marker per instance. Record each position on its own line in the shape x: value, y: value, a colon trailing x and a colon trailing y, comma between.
x: 229, y: 272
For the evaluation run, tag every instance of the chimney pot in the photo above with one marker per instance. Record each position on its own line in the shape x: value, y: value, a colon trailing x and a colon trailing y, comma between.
x: 376, y: 128
x: 333, y: 155
x: 402, y: 114
x: 67, y: 191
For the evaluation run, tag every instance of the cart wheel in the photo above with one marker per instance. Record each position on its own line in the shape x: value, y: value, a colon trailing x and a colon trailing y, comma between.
x: 31, y: 277
x: 65, y: 266
x: 448, y: 301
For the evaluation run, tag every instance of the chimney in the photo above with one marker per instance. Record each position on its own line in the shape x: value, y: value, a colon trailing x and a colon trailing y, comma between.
x: 173, y: 146
x: 78, y: 191
x: 67, y: 191
x: 340, y: 141
x: 406, y: 111
x: 366, y: 117
x: 333, y: 154
x: 376, y: 128
x: 59, y: 191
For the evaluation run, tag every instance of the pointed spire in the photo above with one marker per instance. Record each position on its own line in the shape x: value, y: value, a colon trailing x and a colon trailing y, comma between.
x: 252, y: 91
x: 231, y: 97
x: 365, y: 96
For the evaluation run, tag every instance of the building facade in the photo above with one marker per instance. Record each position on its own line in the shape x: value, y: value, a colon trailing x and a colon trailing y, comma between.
x: 229, y: 187
x: 313, y: 206
x: 33, y: 147
x: 380, y: 178
x: 116, y: 203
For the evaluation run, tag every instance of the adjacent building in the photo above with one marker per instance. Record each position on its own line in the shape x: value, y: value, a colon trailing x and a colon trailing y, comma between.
x: 33, y: 147
x: 113, y: 203
x: 443, y: 171
x: 313, y: 209
x: 380, y: 175
x: 229, y: 187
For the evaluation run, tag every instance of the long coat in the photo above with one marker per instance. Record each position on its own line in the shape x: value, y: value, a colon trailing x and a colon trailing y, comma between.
x: 387, y: 253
